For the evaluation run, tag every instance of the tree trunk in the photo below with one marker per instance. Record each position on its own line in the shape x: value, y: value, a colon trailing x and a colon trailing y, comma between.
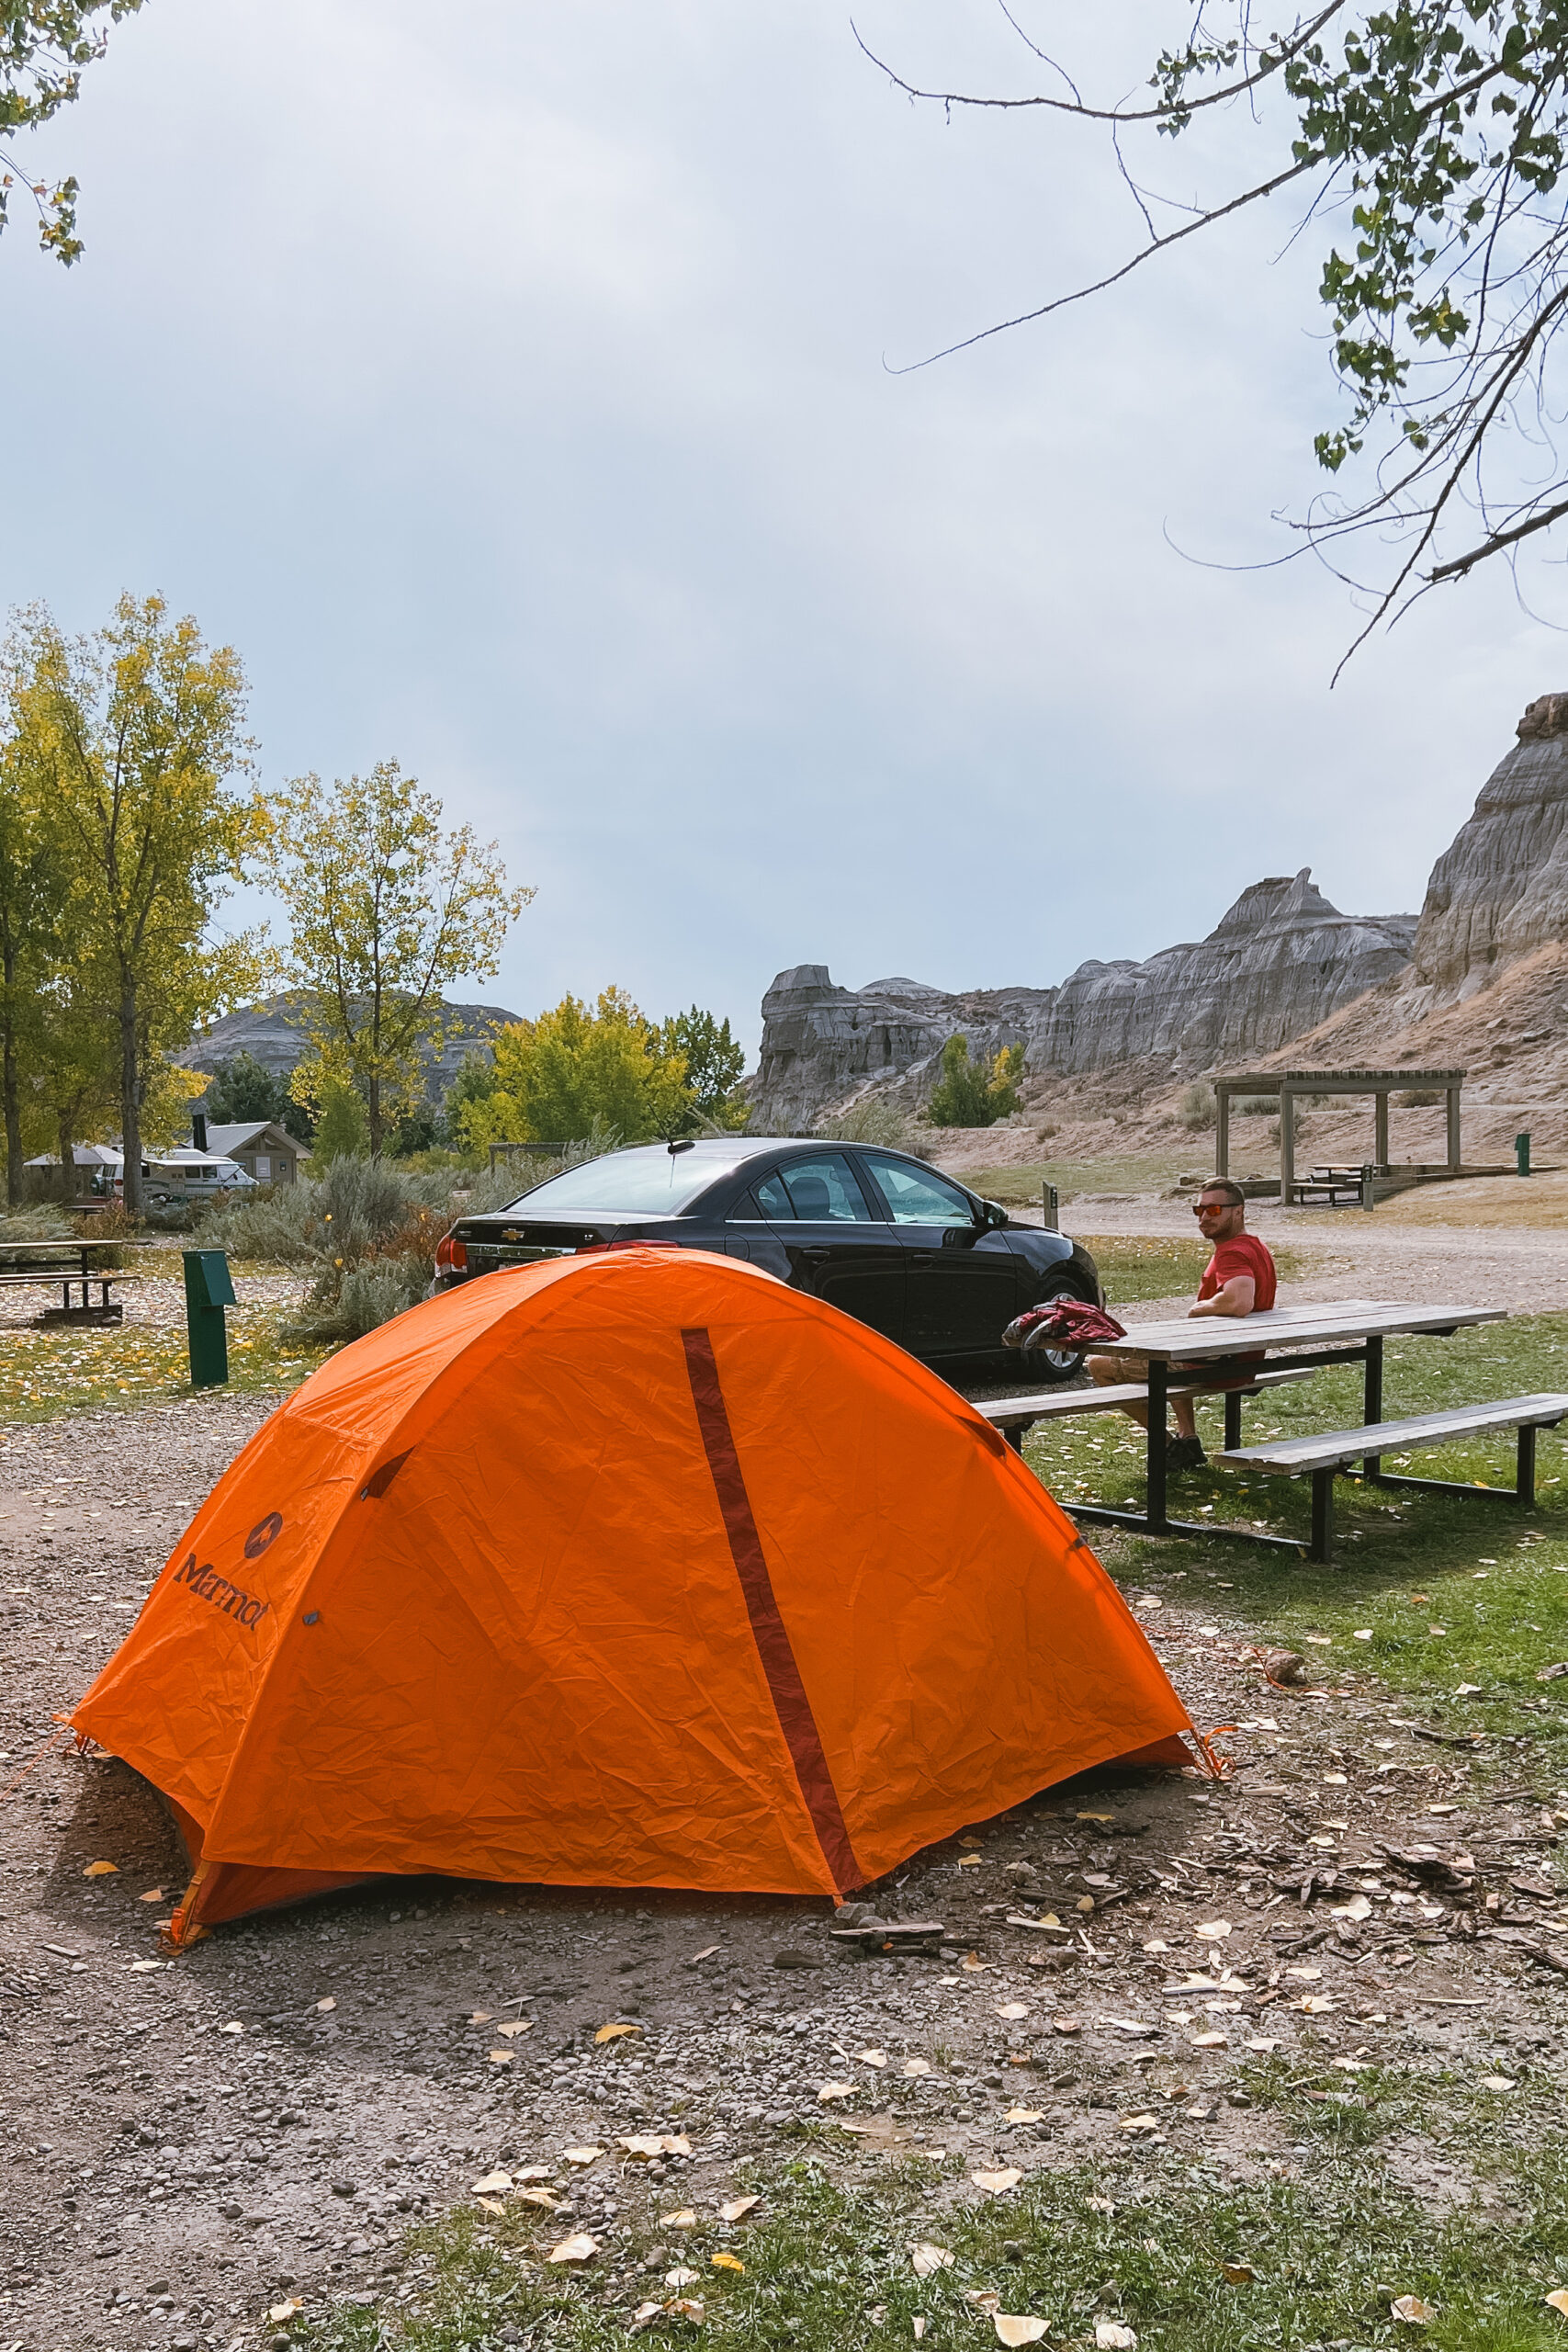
x: 373, y: 1114
x: 9, y: 1089
x: 67, y: 1157
x: 129, y: 1101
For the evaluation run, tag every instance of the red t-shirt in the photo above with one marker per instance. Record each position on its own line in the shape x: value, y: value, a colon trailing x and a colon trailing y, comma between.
x: 1245, y: 1255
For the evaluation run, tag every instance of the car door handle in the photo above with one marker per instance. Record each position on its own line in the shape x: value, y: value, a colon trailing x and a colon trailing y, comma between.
x: 816, y: 1257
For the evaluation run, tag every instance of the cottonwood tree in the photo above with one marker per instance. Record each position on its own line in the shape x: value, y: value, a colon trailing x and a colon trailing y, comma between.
x: 575, y: 1072
x: 33, y: 885
x: 386, y: 911
x: 45, y: 47
x: 133, y: 736
x: 1430, y: 136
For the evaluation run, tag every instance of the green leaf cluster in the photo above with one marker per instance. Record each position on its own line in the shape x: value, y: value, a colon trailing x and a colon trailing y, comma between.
x: 575, y: 1068
x: 975, y: 1094
x: 45, y: 46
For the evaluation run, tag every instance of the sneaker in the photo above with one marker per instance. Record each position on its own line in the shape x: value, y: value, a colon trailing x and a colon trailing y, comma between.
x: 1184, y: 1454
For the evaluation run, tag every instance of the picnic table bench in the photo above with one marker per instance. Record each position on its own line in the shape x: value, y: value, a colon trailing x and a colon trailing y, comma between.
x: 1326, y: 1456
x: 1015, y: 1415
x: 69, y: 1263
x: 1332, y: 1186
x: 1343, y: 1331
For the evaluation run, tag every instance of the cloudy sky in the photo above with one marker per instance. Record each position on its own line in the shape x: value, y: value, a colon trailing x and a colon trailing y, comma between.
x: 515, y: 387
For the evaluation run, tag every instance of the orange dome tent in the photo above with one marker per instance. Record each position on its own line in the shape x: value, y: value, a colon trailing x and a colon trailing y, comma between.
x: 628, y: 1569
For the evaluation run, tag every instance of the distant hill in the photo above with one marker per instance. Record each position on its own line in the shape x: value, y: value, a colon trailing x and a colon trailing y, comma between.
x: 271, y: 1032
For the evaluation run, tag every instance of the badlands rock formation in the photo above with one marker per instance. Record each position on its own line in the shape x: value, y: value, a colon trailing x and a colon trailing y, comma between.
x: 1501, y: 888
x: 1280, y: 961
x: 271, y: 1032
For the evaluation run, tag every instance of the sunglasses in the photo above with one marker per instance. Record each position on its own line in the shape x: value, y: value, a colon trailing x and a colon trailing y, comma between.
x: 1212, y: 1208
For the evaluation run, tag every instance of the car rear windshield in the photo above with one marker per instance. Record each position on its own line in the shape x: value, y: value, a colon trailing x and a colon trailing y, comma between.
x: 647, y: 1183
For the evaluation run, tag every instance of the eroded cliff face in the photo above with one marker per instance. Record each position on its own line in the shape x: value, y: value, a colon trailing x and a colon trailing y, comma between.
x: 1282, y: 959
x: 1500, y: 890
x: 274, y: 1034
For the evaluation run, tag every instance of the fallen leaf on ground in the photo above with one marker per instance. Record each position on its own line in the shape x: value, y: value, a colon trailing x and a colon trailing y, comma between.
x: 1357, y: 1908
x: 1307, y: 1975
x: 997, y: 2184
x: 233, y: 2026
x: 1012, y: 2009
x: 682, y: 2307
x: 281, y: 2314
x: 984, y: 2299
x: 683, y: 2219
x: 1140, y: 2124
x: 1238, y: 2273
x: 101, y: 1870
x: 1557, y: 2300
x: 323, y: 2008
x: 153, y: 1894
x: 1101, y: 2204
x: 872, y: 2057
x: 644, y: 2313
x: 1208, y: 2041
x: 1026, y: 2115
x: 533, y: 2172
x: 914, y: 2067
x: 928, y: 2258
x: 540, y: 2197
x: 501, y: 2057
x: 580, y: 2247
x: 1259, y: 2042
x: 492, y: 2184
x: 1213, y: 1931
x: 1498, y: 2083
x: 1096, y: 1816
x: 491, y: 2205
x: 649, y: 2145
x: 968, y: 1862
x: 1135, y: 2026
x: 738, y: 2208
x: 974, y: 1964
x: 681, y: 2277
x: 583, y: 2155
x: 1109, y: 2335
x: 613, y: 2032
x: 919, y: 2325
x: 1317, y: 2005
x: 1012, y: 2328
x: 1047, y: 1923
x: 1412, y: 2311
x: 480, y: 2016
x: 519, y: 2025
x: 727, y: 2262
x: 831, y: 2091
x: 706, y: 1952
x: 1066, y: 2025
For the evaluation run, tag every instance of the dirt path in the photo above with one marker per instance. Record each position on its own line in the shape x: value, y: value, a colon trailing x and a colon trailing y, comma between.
x: 187, y: 2143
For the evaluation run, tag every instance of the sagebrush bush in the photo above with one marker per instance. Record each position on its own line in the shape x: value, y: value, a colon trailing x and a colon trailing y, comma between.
x: 1197, y: 1108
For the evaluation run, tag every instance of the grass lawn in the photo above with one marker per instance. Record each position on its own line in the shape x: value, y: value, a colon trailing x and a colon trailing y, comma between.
x: 1317, y: 2253
x: 1451, y: 1589
x: 1020, y: 1186
x: 65, y: 1370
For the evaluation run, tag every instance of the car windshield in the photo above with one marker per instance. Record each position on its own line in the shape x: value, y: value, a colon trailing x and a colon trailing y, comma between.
x: 649, y: 1182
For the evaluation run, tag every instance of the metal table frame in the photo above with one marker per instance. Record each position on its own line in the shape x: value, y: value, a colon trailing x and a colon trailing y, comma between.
x: 1238, y: 1335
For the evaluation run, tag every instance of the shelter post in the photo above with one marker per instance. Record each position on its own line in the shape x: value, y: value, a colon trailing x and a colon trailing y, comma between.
x: 1287, y: 1144
x: 1221, y: 1126
x: 1453, y: 1127
x: 1380, y: 1132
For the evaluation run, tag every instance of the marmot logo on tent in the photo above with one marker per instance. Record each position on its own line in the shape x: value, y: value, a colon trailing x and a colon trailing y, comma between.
x: 265, y: 1531
x: 207, y: 1585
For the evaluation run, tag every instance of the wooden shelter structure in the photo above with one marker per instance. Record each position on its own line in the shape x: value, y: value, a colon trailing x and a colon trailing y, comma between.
x: 1289, y: 1086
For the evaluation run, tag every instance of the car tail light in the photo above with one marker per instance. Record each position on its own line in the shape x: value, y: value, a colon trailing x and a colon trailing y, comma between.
x: 451, y: 1254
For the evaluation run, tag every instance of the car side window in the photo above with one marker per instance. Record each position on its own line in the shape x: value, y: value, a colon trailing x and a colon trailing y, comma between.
x: 918, y: 1195
x: 824, y: 1191
x: 771, y: 1199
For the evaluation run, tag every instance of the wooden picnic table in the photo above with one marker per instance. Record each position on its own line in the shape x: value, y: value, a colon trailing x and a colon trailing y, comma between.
x: 71, y: 1264
x: 1349, y: 1330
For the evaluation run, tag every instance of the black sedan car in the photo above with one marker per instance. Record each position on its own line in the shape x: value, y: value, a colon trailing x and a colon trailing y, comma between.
x: 875, y: 1232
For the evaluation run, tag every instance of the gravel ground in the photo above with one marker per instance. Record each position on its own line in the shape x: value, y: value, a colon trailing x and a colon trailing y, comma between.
x: 186, y: 2142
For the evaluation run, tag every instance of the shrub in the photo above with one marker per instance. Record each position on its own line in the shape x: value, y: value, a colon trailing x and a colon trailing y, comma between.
x: 42, y: 1223
x: 1254, y: 1106
x: 874, y: 1120
x: 973, y: 1095
x: 1418, y: 1098
x: 1196, y: 1109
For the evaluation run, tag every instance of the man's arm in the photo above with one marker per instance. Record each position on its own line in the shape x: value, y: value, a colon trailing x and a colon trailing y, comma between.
x: 1237, y: 1297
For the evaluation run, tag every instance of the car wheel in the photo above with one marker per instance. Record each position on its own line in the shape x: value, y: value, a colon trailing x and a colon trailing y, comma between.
x: 1055, y: 1363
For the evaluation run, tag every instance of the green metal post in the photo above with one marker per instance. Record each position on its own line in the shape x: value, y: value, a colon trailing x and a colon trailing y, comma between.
x: 1522, y: 1152
x: 209, y: 1290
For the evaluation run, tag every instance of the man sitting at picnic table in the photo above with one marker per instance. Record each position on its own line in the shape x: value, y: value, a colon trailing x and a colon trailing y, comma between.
x: 1239, y: 1279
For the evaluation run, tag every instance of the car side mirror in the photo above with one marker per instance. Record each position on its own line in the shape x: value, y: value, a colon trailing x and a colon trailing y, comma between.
x: 993, y: 1215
